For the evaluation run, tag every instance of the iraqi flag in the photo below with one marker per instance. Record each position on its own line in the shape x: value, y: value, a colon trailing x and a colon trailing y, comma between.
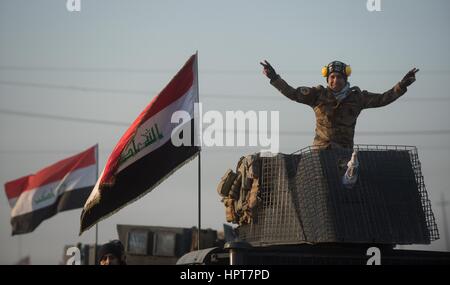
x: 145, y: 155
x: 62, y: 186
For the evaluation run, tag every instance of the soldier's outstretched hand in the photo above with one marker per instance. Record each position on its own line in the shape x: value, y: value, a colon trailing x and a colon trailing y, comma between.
x: 268, y: 70
x: 409, y: 78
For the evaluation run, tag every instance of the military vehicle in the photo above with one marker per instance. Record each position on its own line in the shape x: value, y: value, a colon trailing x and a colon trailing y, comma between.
x: 296, y: 209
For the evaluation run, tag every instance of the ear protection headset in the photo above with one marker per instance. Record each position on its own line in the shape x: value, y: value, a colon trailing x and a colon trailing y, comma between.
x: 336, y: 66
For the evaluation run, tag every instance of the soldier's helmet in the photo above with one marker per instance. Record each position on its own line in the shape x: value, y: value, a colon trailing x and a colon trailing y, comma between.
x: 114, y: 247
x: 336, y: 66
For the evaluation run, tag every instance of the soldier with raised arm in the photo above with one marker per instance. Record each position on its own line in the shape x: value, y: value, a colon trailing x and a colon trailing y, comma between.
x: 338, y: 105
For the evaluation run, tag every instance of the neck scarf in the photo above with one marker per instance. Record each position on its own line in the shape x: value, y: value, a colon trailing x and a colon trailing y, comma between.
x: 343, y: 93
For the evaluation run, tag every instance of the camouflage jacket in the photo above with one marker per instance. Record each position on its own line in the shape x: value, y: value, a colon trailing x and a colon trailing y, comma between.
x: 335, y: 121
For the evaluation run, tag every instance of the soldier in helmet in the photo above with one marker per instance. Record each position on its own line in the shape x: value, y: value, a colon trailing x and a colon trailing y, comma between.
x: 112, y: 253
x: 338, y: 105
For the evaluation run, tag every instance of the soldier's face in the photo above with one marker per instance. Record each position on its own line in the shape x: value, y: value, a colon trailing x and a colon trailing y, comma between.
x: 109, y: 259
x: 336, y: 81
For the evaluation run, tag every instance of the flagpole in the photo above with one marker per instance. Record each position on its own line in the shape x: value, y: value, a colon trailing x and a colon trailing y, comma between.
x: 19, y: 241
x: 96, y: 225
x: 96, y: 242
x: 199, y: 164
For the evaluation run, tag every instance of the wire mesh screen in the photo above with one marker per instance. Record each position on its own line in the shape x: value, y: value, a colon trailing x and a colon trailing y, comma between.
x: 303, y: 199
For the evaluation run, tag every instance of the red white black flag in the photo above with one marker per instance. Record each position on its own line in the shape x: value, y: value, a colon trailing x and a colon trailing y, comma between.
x: 146, y: 155
x: 62, y: 186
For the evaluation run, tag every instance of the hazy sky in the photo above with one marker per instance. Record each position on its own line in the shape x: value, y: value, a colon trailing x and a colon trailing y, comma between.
x: 105, y: 63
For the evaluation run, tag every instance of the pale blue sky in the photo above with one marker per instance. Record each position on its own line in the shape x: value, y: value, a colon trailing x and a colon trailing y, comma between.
x: 123, y: 52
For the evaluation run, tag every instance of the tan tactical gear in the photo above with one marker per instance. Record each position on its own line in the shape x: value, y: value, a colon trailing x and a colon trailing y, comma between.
x: 336, y: 120
x: 240, y: 190
x: 226, y: 182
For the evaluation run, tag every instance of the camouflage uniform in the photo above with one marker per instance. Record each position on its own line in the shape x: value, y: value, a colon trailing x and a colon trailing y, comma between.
x: 335, y: 121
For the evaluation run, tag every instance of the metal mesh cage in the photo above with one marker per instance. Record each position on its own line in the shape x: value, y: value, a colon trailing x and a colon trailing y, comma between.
x: 303, y: 199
